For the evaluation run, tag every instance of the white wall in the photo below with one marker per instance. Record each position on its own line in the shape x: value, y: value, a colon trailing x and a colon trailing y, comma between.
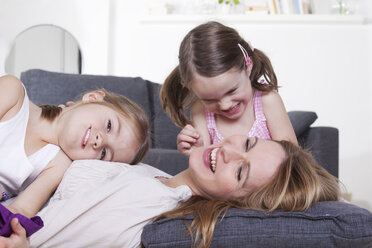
x: 86, y: 20
x: 322, y: 68
x: 365, y: 8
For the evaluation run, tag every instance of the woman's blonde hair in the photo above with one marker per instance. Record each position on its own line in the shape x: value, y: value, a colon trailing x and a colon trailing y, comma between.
x: 300, y: 183
x: 121, y: 105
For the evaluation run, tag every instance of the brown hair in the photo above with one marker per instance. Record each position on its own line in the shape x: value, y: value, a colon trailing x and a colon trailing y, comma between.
x: 299, y: 183
x: 123, y: 106
x: 209, y: 50
x: 50, y: 112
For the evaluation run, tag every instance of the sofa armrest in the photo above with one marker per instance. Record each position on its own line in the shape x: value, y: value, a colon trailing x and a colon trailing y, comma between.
x: 322, y: 142
x: 301, y: 120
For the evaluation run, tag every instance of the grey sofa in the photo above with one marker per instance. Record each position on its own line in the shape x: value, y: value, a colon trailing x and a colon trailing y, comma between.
x: 327, y: 224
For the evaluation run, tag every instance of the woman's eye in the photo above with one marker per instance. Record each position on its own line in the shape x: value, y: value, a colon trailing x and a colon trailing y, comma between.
x: 239, y: 173
x: 209, y: 101
x: 103, y: 153
x: 247, y: 145
x: 109, y: 126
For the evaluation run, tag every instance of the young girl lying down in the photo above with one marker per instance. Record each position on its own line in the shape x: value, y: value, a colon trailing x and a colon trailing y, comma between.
x: 38, y: 143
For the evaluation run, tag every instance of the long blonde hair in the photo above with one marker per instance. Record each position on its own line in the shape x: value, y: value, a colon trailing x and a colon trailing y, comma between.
x: 300, y: 183
x: 121, y: 105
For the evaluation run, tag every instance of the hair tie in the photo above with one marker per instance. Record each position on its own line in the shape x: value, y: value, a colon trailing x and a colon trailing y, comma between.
x: 248, y: 60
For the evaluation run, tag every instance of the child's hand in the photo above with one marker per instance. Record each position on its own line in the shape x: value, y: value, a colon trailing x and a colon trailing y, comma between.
x: 187, y: 139
x: 17, y: 239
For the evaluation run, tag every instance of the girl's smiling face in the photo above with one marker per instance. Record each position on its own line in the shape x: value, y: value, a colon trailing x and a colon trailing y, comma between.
x: 95, y: 131
x: 234, y: 167
x: 227, y: 94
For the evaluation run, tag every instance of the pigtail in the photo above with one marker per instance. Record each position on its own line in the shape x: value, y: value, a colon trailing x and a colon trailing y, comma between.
x: 50, y: 112
x: 262, y: 69
x: 174, y: 96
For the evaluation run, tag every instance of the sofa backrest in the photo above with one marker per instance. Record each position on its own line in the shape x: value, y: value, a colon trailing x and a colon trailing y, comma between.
x: 164, y: 131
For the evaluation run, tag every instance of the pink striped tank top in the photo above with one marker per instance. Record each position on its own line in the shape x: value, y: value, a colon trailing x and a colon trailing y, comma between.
x: 259, y: 128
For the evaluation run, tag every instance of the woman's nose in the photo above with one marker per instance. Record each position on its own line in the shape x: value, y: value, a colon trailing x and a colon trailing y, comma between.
x: 230, y: 153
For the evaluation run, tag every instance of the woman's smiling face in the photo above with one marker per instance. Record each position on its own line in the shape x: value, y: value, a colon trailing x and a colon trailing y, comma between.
x: 234, y: 167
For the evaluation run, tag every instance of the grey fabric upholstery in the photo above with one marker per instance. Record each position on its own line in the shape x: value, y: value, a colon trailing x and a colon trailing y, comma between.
x: 301, y: 121
x: 169, y: 160
x: 45, y: 87
x: 325, y: 225
x: 321, y: 139
x: 328, y: 224
x: 164, y: 130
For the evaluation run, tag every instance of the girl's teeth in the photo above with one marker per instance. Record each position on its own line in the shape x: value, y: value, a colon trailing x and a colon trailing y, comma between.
x: 234, y: 107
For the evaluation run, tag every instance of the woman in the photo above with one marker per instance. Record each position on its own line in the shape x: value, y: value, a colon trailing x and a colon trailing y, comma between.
x: 242, y: 172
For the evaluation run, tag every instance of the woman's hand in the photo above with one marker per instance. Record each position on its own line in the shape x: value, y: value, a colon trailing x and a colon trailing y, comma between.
x: 17, y: 239
x: 187, y: 139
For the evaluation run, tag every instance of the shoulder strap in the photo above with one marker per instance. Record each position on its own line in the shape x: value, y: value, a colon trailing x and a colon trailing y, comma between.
x: 257, y: 105
x: 211, y: 122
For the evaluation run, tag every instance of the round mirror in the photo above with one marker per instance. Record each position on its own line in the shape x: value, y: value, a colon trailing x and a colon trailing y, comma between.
x: 45, y: 47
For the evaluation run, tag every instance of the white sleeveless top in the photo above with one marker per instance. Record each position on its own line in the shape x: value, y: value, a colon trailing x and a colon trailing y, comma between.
x: 17, y: 171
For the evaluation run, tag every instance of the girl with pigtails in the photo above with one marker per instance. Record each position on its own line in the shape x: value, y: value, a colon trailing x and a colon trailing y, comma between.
x: 231, y: 87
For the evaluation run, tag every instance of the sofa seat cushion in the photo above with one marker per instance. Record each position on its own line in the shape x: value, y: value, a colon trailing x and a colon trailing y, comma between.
x: 327, y: 224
